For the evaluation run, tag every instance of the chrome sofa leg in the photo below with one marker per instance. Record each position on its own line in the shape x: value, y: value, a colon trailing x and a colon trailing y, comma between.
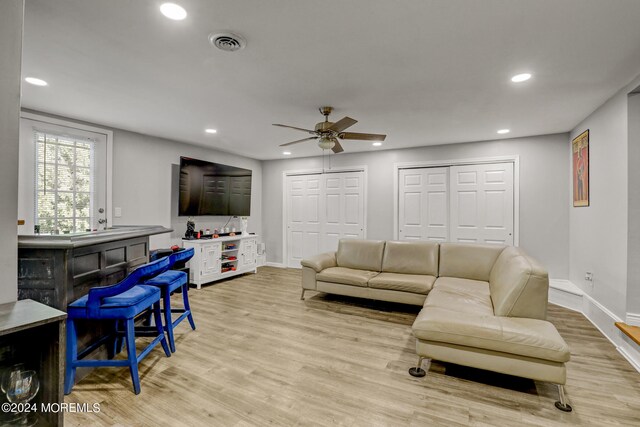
x: 302, y: 295
x: 562, y: 403
x: 417, y: 371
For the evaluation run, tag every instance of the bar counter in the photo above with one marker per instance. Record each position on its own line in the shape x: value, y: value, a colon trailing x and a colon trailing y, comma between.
x: 58, y: 269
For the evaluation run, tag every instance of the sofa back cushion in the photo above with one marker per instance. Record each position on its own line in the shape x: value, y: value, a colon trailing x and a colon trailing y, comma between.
x: 519, y: 286
x: 360, y: 254
x: 411, y: 258
x: 467, y: 260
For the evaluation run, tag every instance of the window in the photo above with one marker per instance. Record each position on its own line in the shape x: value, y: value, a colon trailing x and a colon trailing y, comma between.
x: 64, y: 182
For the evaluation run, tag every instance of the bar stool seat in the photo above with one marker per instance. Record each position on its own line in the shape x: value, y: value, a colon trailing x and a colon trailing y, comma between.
x: 126, y: 304
x: 122, y: 303
x: 168, y: 282
x: 172, y: 280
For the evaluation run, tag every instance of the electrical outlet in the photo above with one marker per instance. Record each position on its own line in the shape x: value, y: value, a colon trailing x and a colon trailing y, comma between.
x: 588, y: 276
x: 117, y: 212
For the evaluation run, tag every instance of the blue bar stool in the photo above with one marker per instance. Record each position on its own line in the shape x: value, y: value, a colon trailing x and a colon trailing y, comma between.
x: 121, y: 302
x: 169, y: 282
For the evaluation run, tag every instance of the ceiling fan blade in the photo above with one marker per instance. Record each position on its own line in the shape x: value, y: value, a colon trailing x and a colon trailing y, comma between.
x: 342, y: 124
x: 293, y: 127
x: 337, y: 148
x: 300, y: 140
x: 362, y: 136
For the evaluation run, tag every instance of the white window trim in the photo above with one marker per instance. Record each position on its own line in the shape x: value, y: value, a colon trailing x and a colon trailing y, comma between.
x: 108, y: 134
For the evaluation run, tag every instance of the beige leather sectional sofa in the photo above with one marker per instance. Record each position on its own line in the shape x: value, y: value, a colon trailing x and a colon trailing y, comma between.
x: 484, y: 306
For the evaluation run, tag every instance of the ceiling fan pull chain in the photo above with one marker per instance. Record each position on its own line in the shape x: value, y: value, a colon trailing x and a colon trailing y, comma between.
x: 323, y: 156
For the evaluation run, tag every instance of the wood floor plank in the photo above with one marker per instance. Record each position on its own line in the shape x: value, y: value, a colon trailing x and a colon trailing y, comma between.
x: 262, y: 356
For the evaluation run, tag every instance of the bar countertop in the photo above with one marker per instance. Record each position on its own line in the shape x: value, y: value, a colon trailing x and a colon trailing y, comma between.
x: 76, y: 240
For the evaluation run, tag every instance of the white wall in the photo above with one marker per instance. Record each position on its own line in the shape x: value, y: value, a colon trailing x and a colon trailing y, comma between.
x: 544, y: 214
x: 11, y: 22
x: 599, y: 233
x: 633, y: 240
x: 145, y: 184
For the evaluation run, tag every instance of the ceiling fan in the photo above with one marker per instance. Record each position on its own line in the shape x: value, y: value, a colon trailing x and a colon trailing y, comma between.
x: 327, y: 133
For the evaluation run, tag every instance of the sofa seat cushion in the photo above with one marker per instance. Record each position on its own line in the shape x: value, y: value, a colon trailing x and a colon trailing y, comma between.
x: 464, y: 295
x: 525, y: 337
x: 346, y: 276
x: 416, y: 283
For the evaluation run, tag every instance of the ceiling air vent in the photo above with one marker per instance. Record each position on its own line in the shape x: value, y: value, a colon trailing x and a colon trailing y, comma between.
x: 228, y: 42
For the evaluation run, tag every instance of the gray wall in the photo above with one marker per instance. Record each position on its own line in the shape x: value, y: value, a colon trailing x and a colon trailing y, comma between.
x: 11, y: 22
x: 599, y: 233
x: 544, y: 177
x: 633, y: 239
x: 145, y: 184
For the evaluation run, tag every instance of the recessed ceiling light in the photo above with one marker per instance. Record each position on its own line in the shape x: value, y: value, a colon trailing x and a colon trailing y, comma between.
x: 286, y: 153
x: 503, y: 131
x: 211, y: 131
x: 377, y: 144
x: 35, y: 81
x: 173, y: 11
x: 519, y: 78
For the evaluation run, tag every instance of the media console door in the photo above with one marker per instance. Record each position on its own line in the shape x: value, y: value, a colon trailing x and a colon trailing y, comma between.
x: 210, y: 264
x: 248, y: 253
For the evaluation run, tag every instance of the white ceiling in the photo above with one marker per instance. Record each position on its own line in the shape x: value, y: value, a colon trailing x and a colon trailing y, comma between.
x: 423, y: 71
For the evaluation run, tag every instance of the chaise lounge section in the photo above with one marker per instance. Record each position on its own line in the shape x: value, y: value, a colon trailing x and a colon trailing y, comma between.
x: 484, y: 306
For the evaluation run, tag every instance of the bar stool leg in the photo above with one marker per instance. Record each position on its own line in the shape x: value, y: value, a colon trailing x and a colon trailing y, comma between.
x: 114, y: 347
x: 158, y: 321
x: 187, y: 306
x: 168, y: 323
x: 71, y: 356
x: 120, y: 338
x: 132, y: 356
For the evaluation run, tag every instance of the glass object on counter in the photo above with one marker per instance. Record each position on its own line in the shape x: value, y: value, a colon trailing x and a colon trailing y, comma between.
x: 20, y: 385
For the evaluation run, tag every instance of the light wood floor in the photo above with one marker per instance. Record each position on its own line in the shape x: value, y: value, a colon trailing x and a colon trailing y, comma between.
x: 261, y: 356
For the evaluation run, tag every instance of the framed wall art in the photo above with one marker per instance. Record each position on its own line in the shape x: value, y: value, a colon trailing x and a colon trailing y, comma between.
x: 580, y: 158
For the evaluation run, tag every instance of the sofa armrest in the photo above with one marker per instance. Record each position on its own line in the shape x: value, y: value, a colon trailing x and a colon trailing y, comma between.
x: 320, y: 262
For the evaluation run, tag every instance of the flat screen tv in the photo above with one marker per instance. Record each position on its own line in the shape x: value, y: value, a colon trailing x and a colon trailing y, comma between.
x: 207, y: 188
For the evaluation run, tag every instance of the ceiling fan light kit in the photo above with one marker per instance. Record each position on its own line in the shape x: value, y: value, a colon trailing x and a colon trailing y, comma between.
x: 328, y: 133
x: 326, y: 143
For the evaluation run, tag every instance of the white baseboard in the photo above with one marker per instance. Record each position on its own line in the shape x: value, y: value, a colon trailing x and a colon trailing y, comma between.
x: 628, y: 350
x: 261, y: 260
x: 568, y: 295
x: 633, y: 319
x: 275, y: 264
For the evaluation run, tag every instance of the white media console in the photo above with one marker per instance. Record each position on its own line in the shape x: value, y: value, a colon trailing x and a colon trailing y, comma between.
x: 216, y: 259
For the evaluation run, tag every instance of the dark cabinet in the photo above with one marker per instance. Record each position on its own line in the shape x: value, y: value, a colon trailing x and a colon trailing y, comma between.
x: 33, y: 335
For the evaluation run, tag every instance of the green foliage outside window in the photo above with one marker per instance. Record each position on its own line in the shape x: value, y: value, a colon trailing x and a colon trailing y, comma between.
x: 64, y: 187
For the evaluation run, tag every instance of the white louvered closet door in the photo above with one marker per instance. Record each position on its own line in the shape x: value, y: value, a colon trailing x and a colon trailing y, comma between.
x: 482, y: 209
x: 321, y: 209
x: 303, y: 197
x: 469, y: 203
x: 343, y: 208
x: 424, y: 204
